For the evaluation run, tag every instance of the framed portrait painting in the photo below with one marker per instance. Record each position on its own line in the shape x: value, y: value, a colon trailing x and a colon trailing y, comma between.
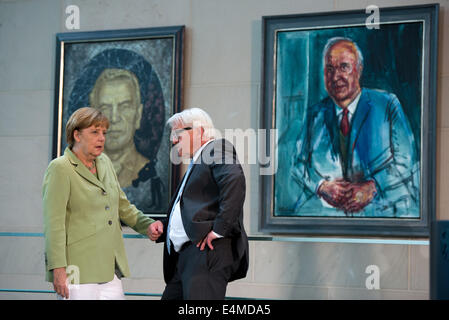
x: 354, y: 106
x: 134, y: 77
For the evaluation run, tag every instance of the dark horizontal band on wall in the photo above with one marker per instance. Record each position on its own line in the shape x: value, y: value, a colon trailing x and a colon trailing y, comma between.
x: 269, y: 238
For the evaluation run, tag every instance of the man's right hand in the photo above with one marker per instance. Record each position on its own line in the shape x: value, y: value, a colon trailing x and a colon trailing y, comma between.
x: 155, y: 230
x: 60, y: 282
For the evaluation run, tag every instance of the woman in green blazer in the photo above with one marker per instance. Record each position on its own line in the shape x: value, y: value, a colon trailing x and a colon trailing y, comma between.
x: 83, y: 207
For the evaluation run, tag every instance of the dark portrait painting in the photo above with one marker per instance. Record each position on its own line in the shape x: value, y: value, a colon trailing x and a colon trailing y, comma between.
x: 131, y: 80
x: 351, y: 104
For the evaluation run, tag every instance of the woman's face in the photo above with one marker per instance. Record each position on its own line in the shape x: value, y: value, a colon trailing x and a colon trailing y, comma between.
x: 90, y: 141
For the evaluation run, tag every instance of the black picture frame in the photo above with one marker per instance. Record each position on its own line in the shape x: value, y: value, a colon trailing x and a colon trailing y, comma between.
x: 155, y: 57
x: 276, y: 108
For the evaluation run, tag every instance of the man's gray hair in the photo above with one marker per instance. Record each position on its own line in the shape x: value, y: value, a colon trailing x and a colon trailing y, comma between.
x: 194, y: 117
x: 330, y: 43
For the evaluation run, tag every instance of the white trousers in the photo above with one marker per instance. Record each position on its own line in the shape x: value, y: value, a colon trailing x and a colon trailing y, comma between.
x: 111, y: 290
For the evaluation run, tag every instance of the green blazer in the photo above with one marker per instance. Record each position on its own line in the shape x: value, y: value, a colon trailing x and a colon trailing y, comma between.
x: 82, y: 215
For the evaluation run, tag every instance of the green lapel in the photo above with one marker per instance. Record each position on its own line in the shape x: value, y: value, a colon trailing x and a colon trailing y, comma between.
x: 82, y: 170
x: 101, y: 168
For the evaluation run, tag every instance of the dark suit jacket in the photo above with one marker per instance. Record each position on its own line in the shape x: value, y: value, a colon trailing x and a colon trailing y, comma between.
x: 213, y: 200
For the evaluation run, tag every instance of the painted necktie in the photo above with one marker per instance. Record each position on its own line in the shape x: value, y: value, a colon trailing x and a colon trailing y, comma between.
x: 344, y: 123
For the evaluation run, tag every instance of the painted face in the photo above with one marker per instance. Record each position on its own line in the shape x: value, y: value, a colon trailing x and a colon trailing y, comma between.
x: 91, y: 140
x: 341, y: 75
x: 116, y: 100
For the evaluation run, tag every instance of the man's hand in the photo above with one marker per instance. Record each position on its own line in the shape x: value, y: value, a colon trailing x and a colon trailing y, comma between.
x: 362, y: 194
x: 335, y: 192
x: 60, y: 282
x: 155, y: 230
x: 207, y: 240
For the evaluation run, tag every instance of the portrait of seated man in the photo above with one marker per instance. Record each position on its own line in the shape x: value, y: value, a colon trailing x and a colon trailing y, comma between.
x: 116, y: 93
x: 356, y: 155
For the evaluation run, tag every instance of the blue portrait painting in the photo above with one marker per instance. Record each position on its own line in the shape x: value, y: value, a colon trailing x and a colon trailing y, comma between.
x: 348, y: 113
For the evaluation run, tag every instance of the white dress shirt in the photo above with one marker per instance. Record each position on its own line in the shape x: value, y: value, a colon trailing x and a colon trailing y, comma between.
x: 177, y: 233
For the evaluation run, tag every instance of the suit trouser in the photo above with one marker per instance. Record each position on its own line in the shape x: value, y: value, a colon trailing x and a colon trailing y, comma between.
x: 194, y: 279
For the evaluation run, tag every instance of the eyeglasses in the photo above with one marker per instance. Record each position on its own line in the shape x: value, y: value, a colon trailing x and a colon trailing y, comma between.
x: 342, y: 68
x: 176, y: 133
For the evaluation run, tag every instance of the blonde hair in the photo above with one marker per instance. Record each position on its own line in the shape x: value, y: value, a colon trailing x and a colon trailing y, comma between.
x: 81, y: 119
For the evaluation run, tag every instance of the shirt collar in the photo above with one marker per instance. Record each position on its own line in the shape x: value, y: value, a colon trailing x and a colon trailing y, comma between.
x: 198, y: 152
x: 351, y: 107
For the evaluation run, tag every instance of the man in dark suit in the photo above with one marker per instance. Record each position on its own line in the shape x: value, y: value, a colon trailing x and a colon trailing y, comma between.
x: 206, y: 246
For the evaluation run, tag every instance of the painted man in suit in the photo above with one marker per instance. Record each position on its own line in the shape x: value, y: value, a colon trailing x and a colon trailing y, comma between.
x: 357, y: 152
x: 205, y: 242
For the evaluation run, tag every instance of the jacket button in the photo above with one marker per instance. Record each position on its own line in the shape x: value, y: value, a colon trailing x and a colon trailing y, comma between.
x: 110, y: 222
x: 104, y: 193
x: 107, y: 207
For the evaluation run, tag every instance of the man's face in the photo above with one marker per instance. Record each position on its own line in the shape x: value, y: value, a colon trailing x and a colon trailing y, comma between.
x: 186, y: 139
x: 117, y: 100
x: 341, y: 75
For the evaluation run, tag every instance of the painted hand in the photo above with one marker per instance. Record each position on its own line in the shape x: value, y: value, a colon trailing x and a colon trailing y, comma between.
x: 336, y: 192
x: 362, y: 194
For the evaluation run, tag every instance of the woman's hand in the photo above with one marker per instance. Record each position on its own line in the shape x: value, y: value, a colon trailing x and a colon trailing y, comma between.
x: 60, y: 282
x: 155, y: 230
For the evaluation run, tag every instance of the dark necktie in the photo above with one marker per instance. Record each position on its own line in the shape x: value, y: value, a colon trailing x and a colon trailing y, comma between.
x: 344, y: 123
